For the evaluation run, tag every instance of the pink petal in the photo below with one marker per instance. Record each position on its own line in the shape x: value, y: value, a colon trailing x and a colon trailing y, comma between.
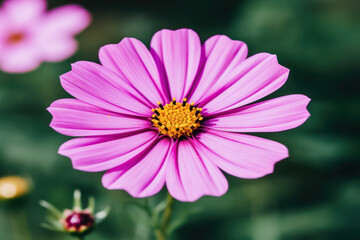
x: 4, y: 25
x: 177, y: 54
x: 19, y: 59
x: 144, y: 175
x: 277, y: 114
x: 95, y: 154
x: 73, y: 117
x: 21, y: 12
x: 134, y: 63
x: 240, y: 155
x: 190, y: 176
x: 55, y: 50
x: 221, y: 56
x: 57, y: 29
x: 253, y: 79
x: 65, y: 20
x: 101, y: 87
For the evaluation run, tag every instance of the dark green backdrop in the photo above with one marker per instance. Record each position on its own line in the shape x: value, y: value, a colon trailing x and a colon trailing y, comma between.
x: 314, y: 194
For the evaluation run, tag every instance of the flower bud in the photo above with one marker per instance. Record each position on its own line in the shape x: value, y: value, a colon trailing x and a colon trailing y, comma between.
x: 76, y: 221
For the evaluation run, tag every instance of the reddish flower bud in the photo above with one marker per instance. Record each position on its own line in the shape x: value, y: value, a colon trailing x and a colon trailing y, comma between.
x: 78, y: 221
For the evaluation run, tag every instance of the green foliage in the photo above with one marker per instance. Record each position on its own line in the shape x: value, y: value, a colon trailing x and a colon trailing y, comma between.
x: 312, y: 195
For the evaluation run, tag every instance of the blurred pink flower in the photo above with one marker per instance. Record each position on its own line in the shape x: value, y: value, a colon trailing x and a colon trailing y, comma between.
x: 175, y: 114
x: 30, y: 35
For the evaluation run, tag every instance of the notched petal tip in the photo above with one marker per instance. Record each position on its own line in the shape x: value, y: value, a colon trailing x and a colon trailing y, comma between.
x: 195, y: 198
x: 271, y: 56
x: 307, y: 101
x: 50, y: 110
x: 62, y: 150
x: 175, y: 30
x: 304, y: 101
x: 103, y: 49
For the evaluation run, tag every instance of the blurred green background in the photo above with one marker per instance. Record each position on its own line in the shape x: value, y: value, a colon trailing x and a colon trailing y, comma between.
x: 314, y: 194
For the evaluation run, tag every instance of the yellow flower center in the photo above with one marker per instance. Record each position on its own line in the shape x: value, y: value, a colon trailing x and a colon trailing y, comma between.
x: 176, y: 119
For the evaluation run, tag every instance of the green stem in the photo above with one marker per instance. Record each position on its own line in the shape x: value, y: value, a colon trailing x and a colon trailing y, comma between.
x: 147, y: 207
x: 161, y: 232
x: 20, y: 225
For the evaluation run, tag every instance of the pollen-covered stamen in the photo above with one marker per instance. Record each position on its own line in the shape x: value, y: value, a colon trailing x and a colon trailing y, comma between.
x: 191, y: 106
x: 160, y: 105
x: 184, y: 102
x: 177, y: 119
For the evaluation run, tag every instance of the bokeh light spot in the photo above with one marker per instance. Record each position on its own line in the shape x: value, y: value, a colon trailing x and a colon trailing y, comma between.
x: 8, y: 190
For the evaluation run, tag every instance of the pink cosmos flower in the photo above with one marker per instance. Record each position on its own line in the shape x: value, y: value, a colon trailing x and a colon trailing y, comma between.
x: 175, y: 114
x: 29, y: 35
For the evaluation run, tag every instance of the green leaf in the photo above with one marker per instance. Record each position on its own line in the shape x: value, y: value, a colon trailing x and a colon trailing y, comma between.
x: 77, y: 200
x: 53, y: 210
x: 50, y: 227
x: 100, y: 216
x: 91, y: 204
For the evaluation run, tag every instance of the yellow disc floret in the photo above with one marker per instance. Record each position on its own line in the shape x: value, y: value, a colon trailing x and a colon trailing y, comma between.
x: 176, y: 119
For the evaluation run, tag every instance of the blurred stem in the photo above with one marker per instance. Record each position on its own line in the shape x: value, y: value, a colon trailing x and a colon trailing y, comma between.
x: 162, y: 231
x: 20, y: 225
x: 147, y: 206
